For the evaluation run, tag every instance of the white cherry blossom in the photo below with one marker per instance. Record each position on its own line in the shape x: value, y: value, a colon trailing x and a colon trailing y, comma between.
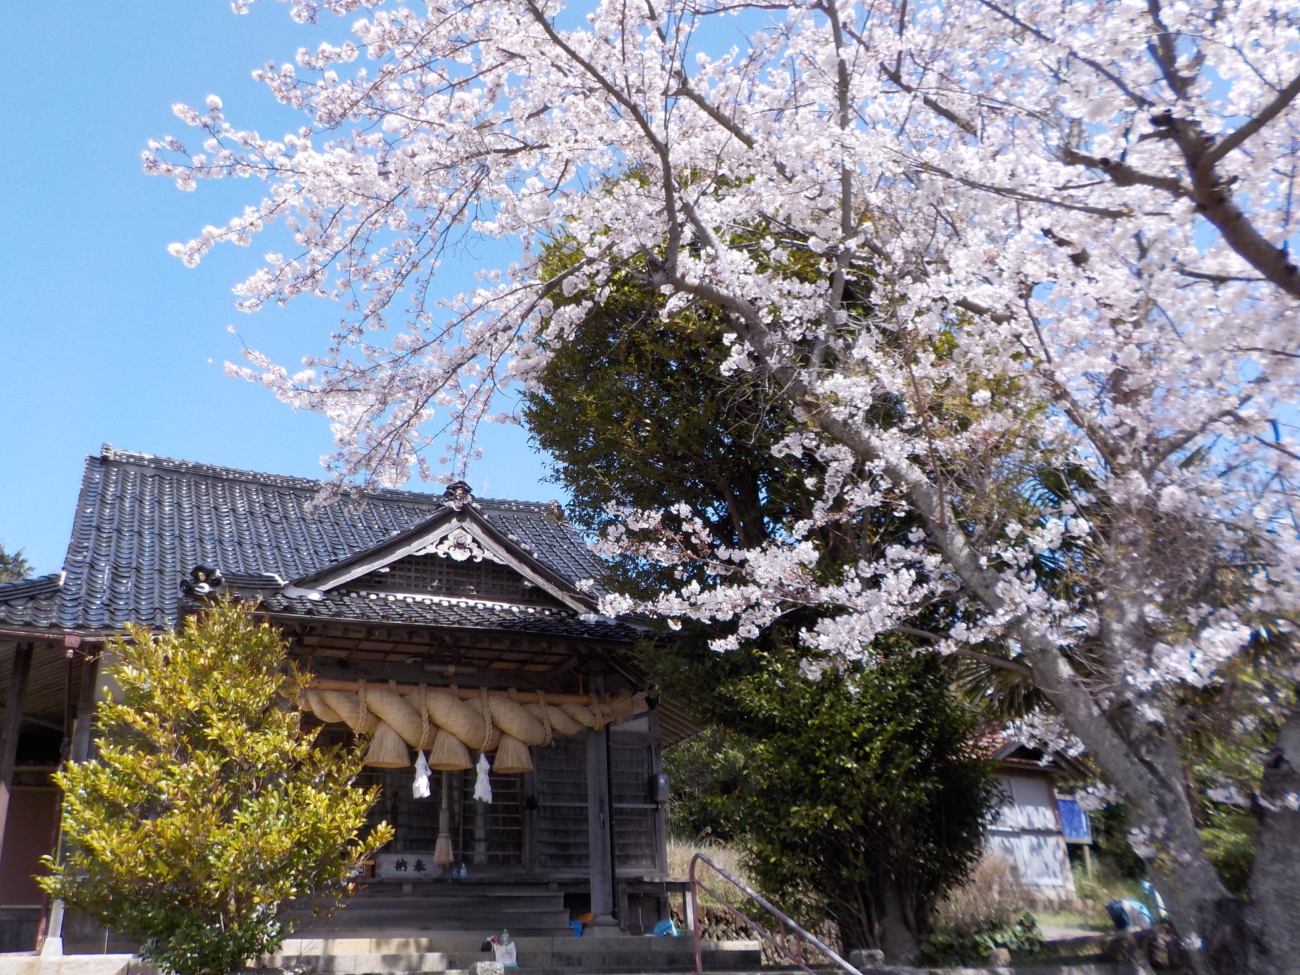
x: 1046, y: 235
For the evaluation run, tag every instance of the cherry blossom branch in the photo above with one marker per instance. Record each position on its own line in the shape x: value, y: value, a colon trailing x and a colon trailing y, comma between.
x: 961, y: 651
x: 1247, y: 129
x: 894, y: 75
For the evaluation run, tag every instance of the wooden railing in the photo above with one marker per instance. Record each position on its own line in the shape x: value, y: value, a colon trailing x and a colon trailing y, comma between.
x: 780, y: 944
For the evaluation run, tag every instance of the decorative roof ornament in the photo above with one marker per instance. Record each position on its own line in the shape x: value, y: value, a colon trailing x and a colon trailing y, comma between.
x: 457, y: 495
x: 460, y: 546
x: 204, y: 581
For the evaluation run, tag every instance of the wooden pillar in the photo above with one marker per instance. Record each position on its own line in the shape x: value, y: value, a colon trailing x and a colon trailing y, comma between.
x: 18, y: 673
x: 600, y: 826
x: 87, y: 701
x: 77, y: 748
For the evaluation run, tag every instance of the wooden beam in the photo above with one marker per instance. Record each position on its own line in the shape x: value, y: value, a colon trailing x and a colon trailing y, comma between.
x: 468, y: 693
x: 19, y: 671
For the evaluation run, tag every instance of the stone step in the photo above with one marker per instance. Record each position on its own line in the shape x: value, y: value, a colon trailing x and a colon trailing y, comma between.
x: 432, y: 930
x: 364, y: 964
x: 536, y: 955
x: 485, y: 911
x: 457, y: 888
x: 459, y: 905
x: 476, y: 910
x: 347, y: 924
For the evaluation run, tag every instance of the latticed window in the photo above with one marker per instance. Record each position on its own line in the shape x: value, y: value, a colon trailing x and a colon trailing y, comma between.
x: 485, y: 835
x: 561, y: 786
x: 631, y: 763
x: 443, y: 576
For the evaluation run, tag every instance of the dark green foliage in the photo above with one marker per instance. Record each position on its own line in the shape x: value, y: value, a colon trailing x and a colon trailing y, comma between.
x: 636, y: 413
x: 13, y: 567
x: 701, y: 769
x: 208, y: 808
x: 1227, y: 733
x: 854, y: 794
x: 1229, y: 839
x: 960, y: 947
x: 857, y: 795
x: 1110, y: 844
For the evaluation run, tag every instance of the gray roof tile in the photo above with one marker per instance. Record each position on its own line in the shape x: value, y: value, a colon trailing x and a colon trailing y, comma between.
x: 385, y: 608
x: 143, y: 522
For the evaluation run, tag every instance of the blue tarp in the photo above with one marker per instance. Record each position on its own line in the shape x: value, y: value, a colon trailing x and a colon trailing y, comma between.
x: 1074, y: 821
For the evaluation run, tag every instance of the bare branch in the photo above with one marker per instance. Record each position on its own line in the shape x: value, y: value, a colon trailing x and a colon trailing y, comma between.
x: 1278, y: 447
x: 1000, y: 317
x: 1014, y: 194
x: 1217, y: 278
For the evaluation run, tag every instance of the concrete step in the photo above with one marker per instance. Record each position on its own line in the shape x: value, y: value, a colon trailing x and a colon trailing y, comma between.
x: 473, y: 910
x: 360, y: 964
x: 536, y: 955
x: 457, y: 888
x: 464, y: 902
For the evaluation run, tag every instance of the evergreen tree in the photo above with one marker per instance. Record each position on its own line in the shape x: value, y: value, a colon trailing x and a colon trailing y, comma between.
x: 13, y: 567
x: 855, y: 793
x: 858, y: 794
x: 208, y: 809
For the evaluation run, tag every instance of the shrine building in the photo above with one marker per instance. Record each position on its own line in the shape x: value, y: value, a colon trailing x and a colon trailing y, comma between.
x: 440, y: 623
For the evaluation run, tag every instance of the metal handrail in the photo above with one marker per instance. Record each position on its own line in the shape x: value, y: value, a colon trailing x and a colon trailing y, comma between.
x: 800, y: 934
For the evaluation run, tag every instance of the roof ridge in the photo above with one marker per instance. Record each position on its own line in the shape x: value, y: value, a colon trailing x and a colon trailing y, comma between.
x: 113, y: 455
x: 39, y: 586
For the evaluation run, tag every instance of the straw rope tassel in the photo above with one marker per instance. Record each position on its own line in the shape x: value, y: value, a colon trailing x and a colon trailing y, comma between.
x: 487, y: 719
x: 442, y: 852
x: 513, y: 756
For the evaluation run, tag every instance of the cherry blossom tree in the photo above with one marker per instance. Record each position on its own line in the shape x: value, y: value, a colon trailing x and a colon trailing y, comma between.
x: 1051, y: 236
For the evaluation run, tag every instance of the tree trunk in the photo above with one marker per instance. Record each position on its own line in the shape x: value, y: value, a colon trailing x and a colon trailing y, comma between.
x: 896, y: 938
x: 1273, y: 916
x: 1142, y: 764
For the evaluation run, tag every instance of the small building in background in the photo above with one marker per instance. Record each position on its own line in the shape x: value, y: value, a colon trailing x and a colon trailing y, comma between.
x: 1029, y: 829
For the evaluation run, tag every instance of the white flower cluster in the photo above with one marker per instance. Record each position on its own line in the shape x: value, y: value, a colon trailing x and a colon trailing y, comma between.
x: 1043, y: 317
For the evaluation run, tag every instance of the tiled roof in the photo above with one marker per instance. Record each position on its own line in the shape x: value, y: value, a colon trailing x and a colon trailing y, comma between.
x: 143, y: 522
x: 390, y: 608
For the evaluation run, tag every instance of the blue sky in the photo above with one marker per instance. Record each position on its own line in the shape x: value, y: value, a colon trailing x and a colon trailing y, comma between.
x: 103, y: 336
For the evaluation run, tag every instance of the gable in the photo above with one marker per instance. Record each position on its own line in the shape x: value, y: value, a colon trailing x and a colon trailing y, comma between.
x: 455, y: 553
x: 443, y: 575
